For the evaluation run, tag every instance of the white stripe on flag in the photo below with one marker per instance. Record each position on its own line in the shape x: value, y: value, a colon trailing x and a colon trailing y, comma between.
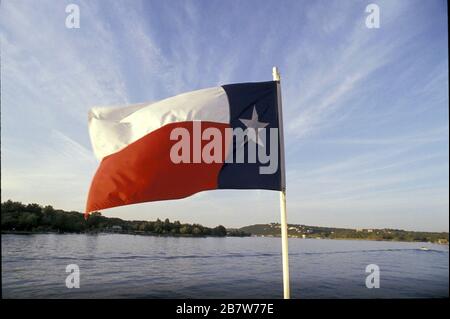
x: 112, y: 129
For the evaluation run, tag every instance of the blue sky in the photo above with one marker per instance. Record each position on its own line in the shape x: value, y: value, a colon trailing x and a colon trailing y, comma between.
x: 366, y: 110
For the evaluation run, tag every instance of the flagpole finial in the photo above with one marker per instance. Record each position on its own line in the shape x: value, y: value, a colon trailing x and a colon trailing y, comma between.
x: 275, y: 74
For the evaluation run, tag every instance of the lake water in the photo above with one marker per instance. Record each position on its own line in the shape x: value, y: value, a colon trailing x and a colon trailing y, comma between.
x: 127, y: 266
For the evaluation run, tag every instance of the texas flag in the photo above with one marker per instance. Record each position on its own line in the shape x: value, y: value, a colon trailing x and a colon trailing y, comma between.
x: 186, y: 144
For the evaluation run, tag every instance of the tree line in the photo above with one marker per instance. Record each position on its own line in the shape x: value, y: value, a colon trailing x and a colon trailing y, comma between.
x: 304, y: 231
x: 19, y: 217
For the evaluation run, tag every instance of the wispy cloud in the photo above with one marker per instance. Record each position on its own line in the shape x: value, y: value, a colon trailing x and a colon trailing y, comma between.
x: 57, y: 172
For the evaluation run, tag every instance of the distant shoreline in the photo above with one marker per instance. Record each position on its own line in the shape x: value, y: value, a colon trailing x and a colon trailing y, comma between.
x: 193, y: 236
x: 318, y: 232
x: 357, y: 239
x: 19, y: 218
x: 22, y: 218
x: 18, y: 232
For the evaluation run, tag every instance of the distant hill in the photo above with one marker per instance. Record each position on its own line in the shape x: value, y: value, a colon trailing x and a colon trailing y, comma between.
x: 304, y: 231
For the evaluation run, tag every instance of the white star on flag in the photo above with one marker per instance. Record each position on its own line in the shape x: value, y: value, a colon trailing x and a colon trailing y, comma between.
x: 255, y: 124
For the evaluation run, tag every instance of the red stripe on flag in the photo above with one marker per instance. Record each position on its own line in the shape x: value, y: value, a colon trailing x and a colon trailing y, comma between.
x: 144, y: 172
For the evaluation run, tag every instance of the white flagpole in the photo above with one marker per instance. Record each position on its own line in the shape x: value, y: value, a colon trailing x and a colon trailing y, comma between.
x: 284, y: 228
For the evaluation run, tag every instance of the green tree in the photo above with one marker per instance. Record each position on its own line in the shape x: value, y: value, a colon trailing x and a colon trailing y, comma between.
x: 167, y: 225
x: 196, y: 231
x: 219, y: 231
x: 185, y: 229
